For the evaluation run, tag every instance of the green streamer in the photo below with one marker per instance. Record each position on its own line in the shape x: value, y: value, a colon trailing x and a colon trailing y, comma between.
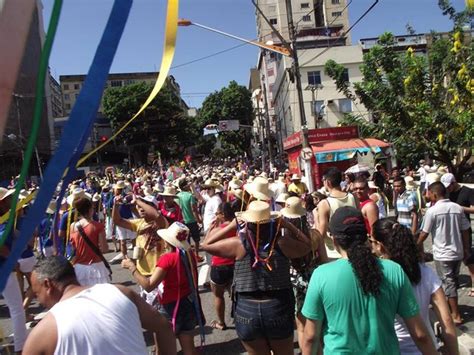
x: 38, y: 110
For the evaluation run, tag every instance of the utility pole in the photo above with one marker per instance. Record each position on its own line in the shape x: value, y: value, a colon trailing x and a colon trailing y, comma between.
x: 267, y: 124
x: 299, y: 90
x: 261, y: 133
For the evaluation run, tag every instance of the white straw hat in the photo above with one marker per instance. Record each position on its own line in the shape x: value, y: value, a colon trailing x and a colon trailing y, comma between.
x: 176, y: 235
x: 282, y: 197
x: 259, y: 189
x: 258, y: 211
x: 293, y: 208
x: 169, y: 191
x: 76, y: 194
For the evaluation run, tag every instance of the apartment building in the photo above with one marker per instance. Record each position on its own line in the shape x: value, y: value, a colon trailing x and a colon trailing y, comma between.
x: 55, y: 99
x: 71, y: 85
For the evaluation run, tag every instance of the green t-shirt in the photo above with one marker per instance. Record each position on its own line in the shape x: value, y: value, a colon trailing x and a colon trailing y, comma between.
x: 352, y: 322
x: 185, y: 200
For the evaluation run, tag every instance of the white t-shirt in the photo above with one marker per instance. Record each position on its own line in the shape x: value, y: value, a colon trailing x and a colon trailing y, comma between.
x: 428, y: 285
x: 210, y: 209
x: 422, y: 173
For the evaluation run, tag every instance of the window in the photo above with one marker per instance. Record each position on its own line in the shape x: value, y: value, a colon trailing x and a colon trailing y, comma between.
x: 305, y: 5
x: 129, y: 82
x: 273, y: 21
x: 345, y: 75
x: 67, y: 106
x: 116, y: 83
x: 345, y: 105
x: 335, y: 2
x: 307, y: 18
x: 314, y: 77
x: 77, y: 86
x: 336, y: 14
x: 66, y: 97
x: 66, y: 86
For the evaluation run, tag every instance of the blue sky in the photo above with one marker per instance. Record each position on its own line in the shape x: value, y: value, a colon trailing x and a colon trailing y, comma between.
x: 82, y: 23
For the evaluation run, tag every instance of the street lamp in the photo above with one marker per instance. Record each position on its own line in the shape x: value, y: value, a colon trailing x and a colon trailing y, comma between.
x: 314, y: 89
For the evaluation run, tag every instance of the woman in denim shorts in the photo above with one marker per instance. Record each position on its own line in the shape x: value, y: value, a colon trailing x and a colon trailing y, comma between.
x: 264, y: 307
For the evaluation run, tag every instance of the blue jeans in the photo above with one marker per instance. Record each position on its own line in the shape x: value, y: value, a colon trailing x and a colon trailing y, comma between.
x: 271, y: 318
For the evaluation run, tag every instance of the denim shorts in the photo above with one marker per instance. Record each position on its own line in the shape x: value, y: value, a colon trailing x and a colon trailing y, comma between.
x: 222, y: 275
x: 186, y: 317
x: 272, y: 318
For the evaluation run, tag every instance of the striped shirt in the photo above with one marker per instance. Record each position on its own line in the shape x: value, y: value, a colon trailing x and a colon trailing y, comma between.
x: 406, y: 204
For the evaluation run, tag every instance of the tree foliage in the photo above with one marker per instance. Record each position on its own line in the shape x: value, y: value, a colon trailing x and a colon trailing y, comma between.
x: 420, y: 103
x: 230, y: 103
x: 164, y: 124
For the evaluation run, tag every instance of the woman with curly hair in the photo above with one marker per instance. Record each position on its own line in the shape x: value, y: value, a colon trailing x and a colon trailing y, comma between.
x: 353, y: 301
x: 393, y: 241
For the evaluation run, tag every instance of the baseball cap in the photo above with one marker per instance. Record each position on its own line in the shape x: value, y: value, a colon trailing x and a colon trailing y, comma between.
x: 347, y: 221
x: 447, y: 179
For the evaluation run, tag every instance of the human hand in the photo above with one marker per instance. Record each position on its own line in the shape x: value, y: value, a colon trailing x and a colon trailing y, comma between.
x: 127, y: 264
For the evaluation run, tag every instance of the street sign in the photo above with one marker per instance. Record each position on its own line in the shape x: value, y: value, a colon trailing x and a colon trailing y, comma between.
x: 229, y: 125
x: 306, y: 153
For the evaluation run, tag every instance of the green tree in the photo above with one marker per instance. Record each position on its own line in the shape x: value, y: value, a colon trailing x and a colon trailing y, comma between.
x: 163, y: 124
x: 421, y: 103
x: 230, y: 103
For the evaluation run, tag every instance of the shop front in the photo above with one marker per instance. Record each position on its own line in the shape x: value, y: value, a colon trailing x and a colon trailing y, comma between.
x: 340, y: 147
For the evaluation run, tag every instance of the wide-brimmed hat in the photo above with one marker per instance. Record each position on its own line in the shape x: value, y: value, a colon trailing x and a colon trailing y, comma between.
x: 236, y: 184
x: 51, y: 207
x: 372, y: 185
x: 410, y: 183
x: 176, y: 235
x: 295, y: 177
x: 443, y: 170
x: 76, y: 194
x: 293, y: 208
x: 258, y: 212
x: 95, y: 197
x: 5, y: 192
x: 237, y: 193
x: 120, y: 184
x: 150, y: 199
x: 282, y: 197
x: 432, y: 177
x: 259, y: 189
x: 210, y: 184
x: 169, y: 191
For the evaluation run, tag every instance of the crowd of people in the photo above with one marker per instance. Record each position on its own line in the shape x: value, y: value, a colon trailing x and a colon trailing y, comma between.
x: 344, y: 265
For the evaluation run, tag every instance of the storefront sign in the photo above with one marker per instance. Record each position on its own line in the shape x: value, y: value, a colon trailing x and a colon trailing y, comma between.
x: 322, y: 135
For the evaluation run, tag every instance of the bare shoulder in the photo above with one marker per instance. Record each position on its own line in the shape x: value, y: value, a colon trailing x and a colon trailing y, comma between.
x: 43, y: 338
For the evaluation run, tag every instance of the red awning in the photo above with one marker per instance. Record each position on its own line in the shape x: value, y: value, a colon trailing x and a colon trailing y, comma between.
x: 354, y: 143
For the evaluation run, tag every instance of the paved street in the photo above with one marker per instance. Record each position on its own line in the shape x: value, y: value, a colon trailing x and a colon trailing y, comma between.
x: 226, y: 342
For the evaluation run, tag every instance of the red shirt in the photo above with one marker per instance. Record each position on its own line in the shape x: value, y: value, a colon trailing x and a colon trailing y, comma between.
x: 219, y: 261
x: 169, y: 262
x: 367, y: 224
x: 84, y: 254
x: 172, y: 214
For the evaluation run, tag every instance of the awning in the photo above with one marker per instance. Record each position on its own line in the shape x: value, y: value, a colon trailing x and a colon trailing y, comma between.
x: 338, y: 150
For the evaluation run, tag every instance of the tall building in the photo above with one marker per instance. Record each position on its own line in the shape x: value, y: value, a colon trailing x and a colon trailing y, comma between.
x: 19, y: 120
x: 71, y: 85
x: 319, y: 24
x: 55, y: 100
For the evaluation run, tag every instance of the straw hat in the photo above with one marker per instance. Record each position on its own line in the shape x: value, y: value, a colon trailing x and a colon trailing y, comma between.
x: 95, y: 197
x: 443, y: 170
x: 432, y: 177
x: 259, y: 189
x: 237, y: 193
x: 264, y: 174
x: 258, y: 212
x: 51, y: 207
x: 293, y: 208
x: 236, y: 184
x: 149, y: 199
x: 169, y: 191
x: 295, y: 177
x: 119, y: 185
x: 410, y: 183
x: 176, y: 235
x: 76, y: 194
x: 282, y: 197
x: 210, y: 184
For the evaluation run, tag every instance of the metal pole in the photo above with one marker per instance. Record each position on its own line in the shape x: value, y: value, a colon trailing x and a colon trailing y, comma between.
x: 313, y: 109
x: 299, y: 90
x: 260, y: 133
x: 18, y: 117
x: 38, y: 161
x: 267, y: 124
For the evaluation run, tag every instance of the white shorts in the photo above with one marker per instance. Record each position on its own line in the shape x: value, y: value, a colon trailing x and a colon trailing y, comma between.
x: 125, y: 234
x: 27, y: 264
x: 93, y: 274
x: 109, y: 228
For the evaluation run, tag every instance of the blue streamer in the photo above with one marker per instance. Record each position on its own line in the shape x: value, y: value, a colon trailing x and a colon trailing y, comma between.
x: 78, y: 126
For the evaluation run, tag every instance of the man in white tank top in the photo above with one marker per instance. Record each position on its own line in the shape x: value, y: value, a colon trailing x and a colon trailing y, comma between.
x: 102, y: 319
x: 326, y: 208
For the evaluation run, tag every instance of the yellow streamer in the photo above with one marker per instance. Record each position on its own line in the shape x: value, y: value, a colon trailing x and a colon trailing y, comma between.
x: 19, y: 206
x: 167, y: 59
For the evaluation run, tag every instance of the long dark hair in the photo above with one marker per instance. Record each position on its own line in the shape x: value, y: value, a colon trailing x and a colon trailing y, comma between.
x: 364, y: 263
x: 400, y: 244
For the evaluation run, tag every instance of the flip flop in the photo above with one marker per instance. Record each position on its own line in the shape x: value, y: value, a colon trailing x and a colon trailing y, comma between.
x: 218, y: 325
